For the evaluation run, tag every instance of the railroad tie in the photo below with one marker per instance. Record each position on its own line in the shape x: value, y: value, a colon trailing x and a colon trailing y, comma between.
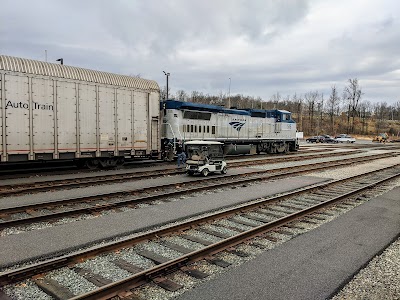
x: 194, y: 272
x: 96, y: 279
x: 167, y: 284
x: 158, y: 259
x: 214, y: 233
x: 269, y: 214
x: 54, y: 289
x: 177, y: 247
x: 243, y: 222
x: 251, y: 217
x: 238, y: 253
x: 123, y: 264
x: 197, y: 239
x: 218, y: 262
x: 269, y: 238
x: 234, y: 229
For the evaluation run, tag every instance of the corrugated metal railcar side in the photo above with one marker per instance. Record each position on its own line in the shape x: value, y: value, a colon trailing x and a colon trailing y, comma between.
x: 50, y: 111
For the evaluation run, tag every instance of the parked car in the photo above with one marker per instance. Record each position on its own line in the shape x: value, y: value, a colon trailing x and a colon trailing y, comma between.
x: 329, y: 139
x: 315, y: 139
x: 344, y: 138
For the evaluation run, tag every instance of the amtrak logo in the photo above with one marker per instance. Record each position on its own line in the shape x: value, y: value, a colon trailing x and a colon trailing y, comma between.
x: 237, y: 125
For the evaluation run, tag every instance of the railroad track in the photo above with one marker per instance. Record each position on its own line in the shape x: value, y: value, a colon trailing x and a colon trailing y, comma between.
x: 373, y: 146
x: 206, y: 236
x: 99, y: 179
x: 68, y: 168
x: 95, y: 204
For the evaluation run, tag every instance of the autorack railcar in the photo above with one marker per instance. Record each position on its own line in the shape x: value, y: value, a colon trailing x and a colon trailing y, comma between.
x: 50, y: 111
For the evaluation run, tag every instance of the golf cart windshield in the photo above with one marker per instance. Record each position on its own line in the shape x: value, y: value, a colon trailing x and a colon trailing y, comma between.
x: 204, y: 151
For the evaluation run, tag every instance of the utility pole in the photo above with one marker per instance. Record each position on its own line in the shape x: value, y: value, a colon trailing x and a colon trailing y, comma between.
x: 229, y: 94
x: 167, y: 74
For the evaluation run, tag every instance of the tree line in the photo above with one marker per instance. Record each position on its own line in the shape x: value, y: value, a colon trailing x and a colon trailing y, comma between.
x: 343, y: 111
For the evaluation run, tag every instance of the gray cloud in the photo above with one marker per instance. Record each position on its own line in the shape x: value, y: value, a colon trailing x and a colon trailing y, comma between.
x: 284, y: 46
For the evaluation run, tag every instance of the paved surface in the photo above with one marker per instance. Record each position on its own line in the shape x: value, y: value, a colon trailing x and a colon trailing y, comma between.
x: 46, y: 242
x: 16, y: 201
x: 312, y: 265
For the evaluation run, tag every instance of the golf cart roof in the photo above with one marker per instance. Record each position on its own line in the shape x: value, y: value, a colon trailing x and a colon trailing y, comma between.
x: 203, y: 143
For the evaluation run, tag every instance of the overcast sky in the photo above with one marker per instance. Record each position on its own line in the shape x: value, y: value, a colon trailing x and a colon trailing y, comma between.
x: 265, y: 47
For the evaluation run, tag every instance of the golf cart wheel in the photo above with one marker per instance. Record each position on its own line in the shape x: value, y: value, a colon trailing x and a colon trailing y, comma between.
x: 224, y: 170
x: 204, y: 172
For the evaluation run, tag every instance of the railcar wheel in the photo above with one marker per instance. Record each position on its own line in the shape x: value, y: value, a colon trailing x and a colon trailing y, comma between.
x: 224, y: 170
x: 204, y: 172
x: 92, y: 164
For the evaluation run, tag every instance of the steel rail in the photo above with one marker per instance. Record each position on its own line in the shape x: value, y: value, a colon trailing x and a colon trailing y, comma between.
x: 116, y: 204
x: 68, y: 259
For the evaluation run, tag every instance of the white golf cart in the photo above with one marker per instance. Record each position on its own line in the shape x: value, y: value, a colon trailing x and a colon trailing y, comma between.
x: 205, y: 157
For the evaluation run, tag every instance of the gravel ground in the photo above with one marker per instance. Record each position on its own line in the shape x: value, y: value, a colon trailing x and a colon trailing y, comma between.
x: 358, y: 169
x: 320, y: 160
x: 380, y: 279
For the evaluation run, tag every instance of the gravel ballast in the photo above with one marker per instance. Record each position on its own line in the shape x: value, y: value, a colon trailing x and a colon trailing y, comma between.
x: 380, y: 279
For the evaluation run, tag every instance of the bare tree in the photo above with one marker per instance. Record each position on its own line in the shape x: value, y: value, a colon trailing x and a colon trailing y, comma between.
x: 163, y: 92
x: 181, y: 95
x: 275, y: 98
x: 365, y: 114
x: 311, y: 99
x: 298, y: 108
x: 333, y: 107
x: 320, y: 106
x: 380, y: 111
x: 352, y: 94
x: 195, y: 97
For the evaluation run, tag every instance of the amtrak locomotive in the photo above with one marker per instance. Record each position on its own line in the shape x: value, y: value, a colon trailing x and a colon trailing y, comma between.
x: 241, y: 130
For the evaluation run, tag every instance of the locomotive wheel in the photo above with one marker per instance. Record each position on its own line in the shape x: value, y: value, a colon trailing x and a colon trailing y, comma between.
x: 191, y: 173
x: 224, y: 170
x: 204, y: 172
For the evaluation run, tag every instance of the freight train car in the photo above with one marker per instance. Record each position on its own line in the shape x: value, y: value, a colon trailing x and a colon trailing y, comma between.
x: 51, y: 111
x: 241, y: 131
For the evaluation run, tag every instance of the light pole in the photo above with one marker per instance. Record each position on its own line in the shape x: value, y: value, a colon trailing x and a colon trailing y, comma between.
x: 167, y: 74
x: 61, y: 60
x: 229, y: 94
